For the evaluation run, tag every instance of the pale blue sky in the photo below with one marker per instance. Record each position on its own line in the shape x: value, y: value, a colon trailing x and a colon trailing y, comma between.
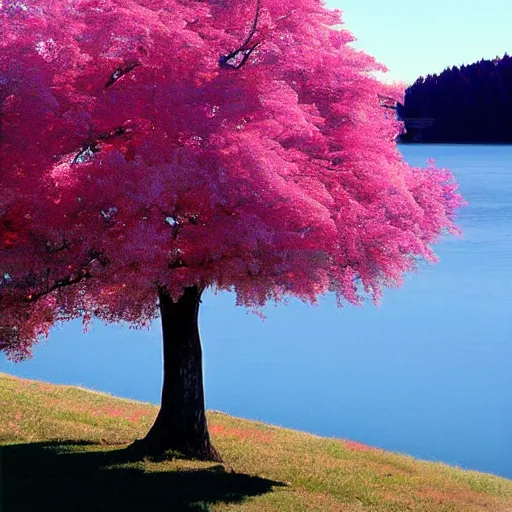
x: 420, y: 37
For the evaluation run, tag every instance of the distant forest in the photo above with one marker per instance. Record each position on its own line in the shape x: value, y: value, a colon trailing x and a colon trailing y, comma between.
x: 470, y: 104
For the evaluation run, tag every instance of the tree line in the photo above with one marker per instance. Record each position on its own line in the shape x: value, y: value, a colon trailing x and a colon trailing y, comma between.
x: 466, y: 104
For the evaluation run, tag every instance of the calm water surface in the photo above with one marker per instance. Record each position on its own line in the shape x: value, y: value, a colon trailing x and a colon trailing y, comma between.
x: 429, y: 373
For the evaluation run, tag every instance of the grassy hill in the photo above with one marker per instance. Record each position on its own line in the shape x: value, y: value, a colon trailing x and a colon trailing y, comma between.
x: 61, y: 449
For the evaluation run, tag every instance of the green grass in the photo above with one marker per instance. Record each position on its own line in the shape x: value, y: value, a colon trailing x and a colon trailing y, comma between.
x: 62, y: 449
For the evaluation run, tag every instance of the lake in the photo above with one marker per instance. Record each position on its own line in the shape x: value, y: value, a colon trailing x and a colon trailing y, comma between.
x: 428, y: 373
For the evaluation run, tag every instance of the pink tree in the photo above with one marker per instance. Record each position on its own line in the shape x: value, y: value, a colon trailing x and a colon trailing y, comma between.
x: 150, y: 149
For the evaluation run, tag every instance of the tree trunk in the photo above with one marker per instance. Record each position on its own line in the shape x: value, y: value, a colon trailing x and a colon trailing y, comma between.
x: 181, y: 423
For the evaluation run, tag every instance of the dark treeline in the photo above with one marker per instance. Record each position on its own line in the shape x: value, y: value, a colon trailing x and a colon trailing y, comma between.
x: 470, y: 104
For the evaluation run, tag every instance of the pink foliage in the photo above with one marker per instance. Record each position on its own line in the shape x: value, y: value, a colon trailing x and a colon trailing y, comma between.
x: 250, y: 434
x: 355, y: 446
x: 165, y: 143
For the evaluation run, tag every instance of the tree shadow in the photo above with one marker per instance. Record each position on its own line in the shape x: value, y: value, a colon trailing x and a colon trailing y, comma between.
x: 54, y: 476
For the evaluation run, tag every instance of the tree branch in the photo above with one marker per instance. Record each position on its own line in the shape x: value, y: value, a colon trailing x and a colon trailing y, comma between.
x: 120, y: 72
x: 61, y: 283
x: 71, y: 280
x: 239, y: 56
x: 92, y: 146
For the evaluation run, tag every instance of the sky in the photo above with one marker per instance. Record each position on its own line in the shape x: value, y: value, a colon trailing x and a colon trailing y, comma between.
x: 420, y: 37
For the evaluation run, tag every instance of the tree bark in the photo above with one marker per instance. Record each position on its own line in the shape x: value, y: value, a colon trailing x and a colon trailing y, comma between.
x: 181, y: 422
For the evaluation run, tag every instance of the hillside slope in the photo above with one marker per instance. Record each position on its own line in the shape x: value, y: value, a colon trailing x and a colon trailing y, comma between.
x: 62, y: 449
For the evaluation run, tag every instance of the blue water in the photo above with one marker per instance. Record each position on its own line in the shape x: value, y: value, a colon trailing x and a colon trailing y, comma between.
x: 428, y: 374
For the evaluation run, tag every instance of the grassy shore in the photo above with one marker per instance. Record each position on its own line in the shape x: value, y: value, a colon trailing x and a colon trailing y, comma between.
x: 62, y: 450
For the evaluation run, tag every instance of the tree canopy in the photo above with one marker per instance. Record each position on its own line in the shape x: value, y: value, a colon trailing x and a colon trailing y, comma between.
x: 162, y: 144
